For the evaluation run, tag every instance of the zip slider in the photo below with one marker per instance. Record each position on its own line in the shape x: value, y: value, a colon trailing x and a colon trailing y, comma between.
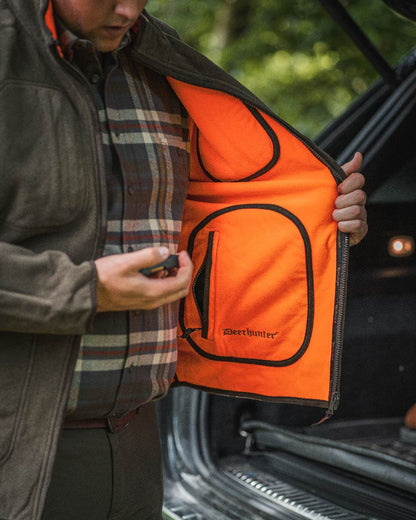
x: 333, y: 405
x: 188, y: 332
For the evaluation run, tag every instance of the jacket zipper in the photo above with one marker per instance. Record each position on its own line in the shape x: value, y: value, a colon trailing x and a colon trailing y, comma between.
x: 341, y: 297
x: 207, y: 283
x: 203, y: 309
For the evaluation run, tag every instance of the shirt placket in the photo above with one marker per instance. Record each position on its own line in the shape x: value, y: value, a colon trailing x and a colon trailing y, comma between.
x: 129, y: 387
x: 99, y: 75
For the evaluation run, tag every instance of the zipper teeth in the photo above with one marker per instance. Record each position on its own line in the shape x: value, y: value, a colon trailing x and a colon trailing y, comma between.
x: 340, y: 315
x: 194, y: 283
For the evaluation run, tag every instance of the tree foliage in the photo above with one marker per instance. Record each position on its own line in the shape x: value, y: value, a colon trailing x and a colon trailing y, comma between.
x: 290, y: 53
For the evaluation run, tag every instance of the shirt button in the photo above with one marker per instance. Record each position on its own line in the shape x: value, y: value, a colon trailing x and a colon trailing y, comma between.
x: 130, y: 190
x: 95, y: 78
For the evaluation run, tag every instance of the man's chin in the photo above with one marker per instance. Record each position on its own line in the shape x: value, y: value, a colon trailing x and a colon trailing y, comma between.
x: 107, y: 46
x: 108, y: 42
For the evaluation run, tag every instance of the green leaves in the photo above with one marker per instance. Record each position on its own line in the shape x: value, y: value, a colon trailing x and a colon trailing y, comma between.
x: 290, y: 52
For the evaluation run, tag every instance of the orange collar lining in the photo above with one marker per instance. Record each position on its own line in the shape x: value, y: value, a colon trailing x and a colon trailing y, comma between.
x: 50, y: 23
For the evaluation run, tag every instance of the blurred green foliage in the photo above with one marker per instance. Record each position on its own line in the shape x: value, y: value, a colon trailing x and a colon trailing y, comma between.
x: 290, y: 53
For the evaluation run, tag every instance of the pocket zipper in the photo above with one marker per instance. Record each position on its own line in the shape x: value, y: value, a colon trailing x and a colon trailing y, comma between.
x: 201, y: 286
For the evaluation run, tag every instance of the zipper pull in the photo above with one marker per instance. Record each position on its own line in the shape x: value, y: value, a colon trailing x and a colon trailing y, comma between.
x: 188, y: 332
x: 333, y: 405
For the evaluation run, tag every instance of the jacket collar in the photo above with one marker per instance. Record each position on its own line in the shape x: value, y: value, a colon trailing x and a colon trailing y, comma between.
x: 31, y: 14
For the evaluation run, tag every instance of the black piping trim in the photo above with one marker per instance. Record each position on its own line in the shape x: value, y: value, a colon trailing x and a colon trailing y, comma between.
x: 309, y: 278
x: 276, y: 150
x: 249, y: 395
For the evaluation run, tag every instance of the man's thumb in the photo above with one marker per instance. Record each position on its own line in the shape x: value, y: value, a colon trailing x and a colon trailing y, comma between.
x: 354, y: 165
x: 145, y: 257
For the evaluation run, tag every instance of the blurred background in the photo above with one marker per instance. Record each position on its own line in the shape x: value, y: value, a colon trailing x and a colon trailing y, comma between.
x: 290, y: 53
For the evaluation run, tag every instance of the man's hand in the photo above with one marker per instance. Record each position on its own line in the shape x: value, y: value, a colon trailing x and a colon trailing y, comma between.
x: 120, y: 286
x: 350, y: 212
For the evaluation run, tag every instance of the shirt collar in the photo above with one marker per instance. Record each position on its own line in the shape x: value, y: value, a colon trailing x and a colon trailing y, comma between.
x: 70, y: 42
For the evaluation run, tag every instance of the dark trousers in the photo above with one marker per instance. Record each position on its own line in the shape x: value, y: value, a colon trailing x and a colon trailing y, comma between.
x: 99, y: 475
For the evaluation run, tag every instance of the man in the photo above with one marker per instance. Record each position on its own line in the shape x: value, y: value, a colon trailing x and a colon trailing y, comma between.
x: 95, y: 154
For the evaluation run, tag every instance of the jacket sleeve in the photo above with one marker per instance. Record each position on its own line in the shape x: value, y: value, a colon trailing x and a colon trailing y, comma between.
x: 45, y: 293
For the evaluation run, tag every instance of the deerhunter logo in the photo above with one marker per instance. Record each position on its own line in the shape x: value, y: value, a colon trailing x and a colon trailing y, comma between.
x: 249, y: 333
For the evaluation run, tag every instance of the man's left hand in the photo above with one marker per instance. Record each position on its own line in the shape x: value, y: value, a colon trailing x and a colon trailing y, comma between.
x: 350, y: 212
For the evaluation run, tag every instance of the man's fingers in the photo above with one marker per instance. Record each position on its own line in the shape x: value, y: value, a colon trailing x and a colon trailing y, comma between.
x: 355, y: 181
x: 354, y: 198
x: 174, y: 284
x: 357, y: 229
x: 120, y: 285
x: 350, y: 213
x: 185, y: 270
x: 184, y: 259
x: 159, y: 291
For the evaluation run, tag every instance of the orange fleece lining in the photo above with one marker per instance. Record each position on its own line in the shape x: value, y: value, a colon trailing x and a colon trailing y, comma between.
x: 257, y: 280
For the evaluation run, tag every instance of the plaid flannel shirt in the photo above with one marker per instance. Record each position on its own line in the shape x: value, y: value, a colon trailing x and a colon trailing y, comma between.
x: 130, y: 357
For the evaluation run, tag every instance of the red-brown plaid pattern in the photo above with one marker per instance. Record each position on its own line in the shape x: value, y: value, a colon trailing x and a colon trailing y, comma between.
x: 130, y: 358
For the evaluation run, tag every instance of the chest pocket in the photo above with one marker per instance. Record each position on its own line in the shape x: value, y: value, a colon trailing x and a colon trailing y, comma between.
x: 43, y: 183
